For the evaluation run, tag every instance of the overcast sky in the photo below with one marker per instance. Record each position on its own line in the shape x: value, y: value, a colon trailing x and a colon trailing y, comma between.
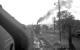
x: 29, y: 11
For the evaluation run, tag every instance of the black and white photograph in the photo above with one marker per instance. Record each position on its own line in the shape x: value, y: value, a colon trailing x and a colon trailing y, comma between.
x: 39, y: 24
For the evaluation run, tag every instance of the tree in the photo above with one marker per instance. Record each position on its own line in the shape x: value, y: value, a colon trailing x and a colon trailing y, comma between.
x: 66, y: 19
x: 65, y: 23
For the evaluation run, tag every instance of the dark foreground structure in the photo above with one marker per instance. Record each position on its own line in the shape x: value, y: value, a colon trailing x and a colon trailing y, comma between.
x: 19, y: 34
x: 6, y: 40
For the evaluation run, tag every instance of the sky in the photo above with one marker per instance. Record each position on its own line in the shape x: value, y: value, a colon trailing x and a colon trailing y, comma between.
x: 29, y: 11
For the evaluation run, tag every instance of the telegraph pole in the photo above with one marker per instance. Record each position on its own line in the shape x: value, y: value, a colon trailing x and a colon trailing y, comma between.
x: 59, y: 15
x: 54, y: 24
